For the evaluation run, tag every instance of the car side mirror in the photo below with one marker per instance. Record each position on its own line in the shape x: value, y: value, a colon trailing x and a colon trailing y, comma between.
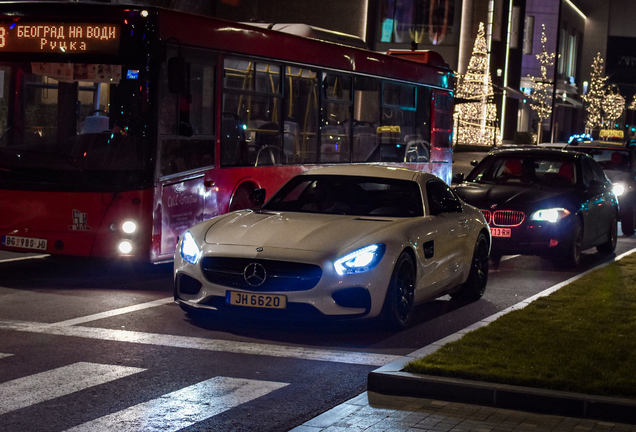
x: 458, y: 178
x: 451, y: 206
x: 257, y: 196
x: 596, y: 185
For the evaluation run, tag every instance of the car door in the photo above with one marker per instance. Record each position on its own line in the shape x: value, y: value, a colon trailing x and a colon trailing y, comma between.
x: 445, y: 250
x: 599, y: 208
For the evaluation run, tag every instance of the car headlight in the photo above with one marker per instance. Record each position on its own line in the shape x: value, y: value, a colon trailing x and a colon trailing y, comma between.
x: 550, y: 215
x: 360, y: 260
x: 190, y: 249
x: 619, y: 189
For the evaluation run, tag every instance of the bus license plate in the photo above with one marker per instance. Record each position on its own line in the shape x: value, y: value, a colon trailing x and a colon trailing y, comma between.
x: 268, y: 301
x: 500, y: 232
x: 24, y: 242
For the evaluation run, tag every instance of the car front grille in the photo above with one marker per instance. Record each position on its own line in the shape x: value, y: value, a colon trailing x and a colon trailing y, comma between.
x: 273, y: 275
x: 504, y: 218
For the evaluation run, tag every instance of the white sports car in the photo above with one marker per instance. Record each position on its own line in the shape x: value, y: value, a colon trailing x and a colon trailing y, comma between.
x: 339, y: 242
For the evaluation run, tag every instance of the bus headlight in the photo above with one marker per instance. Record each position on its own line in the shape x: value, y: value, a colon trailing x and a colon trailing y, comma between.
x: 360, y: 260
x: 190, y: 251
x: 129, y: 227
x: 125, y: 247
x: 550, y: 215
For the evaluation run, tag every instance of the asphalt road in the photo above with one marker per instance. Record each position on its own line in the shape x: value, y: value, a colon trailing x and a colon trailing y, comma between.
x: 90, y: 346
x: 87, y: 346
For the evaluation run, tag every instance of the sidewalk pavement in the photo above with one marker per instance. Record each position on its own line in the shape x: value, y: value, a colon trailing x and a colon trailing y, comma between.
x: 401, y: 401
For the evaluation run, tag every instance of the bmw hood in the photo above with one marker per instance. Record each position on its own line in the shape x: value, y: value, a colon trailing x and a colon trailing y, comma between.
x: 302, y: 231
x: 507, y: 196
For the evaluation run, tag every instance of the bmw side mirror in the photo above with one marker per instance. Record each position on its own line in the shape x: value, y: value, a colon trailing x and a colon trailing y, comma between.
x: 458, y: 178
x: 257, y: 196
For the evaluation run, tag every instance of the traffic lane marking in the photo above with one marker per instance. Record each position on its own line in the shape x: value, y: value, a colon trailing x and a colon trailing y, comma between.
x: 33, y: 389
x: 182, y: 408
x: 114, y: 312
x: 189, y: 342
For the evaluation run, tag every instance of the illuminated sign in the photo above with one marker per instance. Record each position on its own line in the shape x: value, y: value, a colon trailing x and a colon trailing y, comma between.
x: 72, y: 38
x: 611, y: 133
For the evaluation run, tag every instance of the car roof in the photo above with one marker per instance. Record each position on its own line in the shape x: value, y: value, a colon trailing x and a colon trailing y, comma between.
x: 381, y: 171
x: 612, y: 147
x: 537, y: 152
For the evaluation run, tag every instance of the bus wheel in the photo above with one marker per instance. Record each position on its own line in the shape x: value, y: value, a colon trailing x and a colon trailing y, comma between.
x: 241, y: 198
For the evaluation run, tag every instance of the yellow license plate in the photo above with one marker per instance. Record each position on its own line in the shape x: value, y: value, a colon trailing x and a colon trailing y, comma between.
x: 268, y: 301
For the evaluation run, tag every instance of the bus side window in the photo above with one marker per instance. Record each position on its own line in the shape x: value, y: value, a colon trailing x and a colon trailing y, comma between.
x: 336, y: 119
x: 187, y: 119
x: 300, y: 138
x: 366, y: 109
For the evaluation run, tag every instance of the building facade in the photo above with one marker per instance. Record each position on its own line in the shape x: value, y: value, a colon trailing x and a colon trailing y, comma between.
x: 519, y: 33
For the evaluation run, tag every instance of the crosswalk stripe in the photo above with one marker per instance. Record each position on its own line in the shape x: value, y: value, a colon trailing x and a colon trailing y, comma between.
x: 188, y: 342
x: 23, y: 392
x: 182, y: 408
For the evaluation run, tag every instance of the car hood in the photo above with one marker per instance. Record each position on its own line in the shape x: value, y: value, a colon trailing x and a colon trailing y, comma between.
x: 483, y: 195
x: 302, y: 231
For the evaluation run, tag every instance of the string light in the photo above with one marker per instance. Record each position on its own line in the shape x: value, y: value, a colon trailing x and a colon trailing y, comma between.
x: 595, y: 95
x: 542, y: 87
x: 475, y: 121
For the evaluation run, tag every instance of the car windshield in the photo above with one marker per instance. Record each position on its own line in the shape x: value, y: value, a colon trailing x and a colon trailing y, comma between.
x: 526, y: 171
x: 349, y: 195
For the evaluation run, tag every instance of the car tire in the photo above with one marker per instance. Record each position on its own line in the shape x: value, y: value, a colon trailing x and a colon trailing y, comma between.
x: 399, y: 304
x: 572, y: 253
x: 610, y: 245
x: 475, y: 286
x: 628, y: 222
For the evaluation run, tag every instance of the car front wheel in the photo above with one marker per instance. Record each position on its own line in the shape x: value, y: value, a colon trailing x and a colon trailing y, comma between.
x: 572, y: 253
x: 475, y: 286
x: 399, y: 304
x: 610, y: 245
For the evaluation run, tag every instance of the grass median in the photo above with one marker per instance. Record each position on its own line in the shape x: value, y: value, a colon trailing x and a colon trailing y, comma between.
x: 581, y: 338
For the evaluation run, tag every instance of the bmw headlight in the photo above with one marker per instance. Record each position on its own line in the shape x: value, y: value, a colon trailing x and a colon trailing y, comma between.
x: 190, y: 249
x: 550, y: 215
x: 360, y: 260
x: 619, y: 189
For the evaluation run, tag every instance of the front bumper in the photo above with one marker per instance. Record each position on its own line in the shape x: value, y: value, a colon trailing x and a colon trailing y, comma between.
x: 333, y: 296
x: 534, y: 238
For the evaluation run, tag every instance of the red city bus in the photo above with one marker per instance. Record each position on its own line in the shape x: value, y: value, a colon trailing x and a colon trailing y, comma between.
x: 123, y: 126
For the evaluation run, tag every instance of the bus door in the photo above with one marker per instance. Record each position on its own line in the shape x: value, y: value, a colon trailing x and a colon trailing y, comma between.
x: 186, y: 148
x: 441, y: 150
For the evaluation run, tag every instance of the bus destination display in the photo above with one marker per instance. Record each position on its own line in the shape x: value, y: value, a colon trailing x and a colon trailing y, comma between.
x: 74, y: 38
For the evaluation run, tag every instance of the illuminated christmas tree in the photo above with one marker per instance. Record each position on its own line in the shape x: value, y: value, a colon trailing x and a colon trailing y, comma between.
x: 475, y: 120
x: 542, y: 87
x: 613, y: 105
x: 595, y: 95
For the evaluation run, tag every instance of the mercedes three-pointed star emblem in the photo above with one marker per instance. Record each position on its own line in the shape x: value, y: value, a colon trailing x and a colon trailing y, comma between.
x: 255, y: 274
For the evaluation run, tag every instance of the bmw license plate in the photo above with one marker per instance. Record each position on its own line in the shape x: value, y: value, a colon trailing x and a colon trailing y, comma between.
x: 24, y: 242
x: 268, y: 301
x: 500, y: 232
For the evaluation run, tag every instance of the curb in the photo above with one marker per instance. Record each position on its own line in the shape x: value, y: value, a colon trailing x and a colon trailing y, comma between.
x: 390, y: 380
x: 396, y: 383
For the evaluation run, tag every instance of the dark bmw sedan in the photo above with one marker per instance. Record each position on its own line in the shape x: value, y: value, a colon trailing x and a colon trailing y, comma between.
x: 545, y: 202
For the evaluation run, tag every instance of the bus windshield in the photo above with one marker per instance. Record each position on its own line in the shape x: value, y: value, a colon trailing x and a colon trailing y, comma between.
x: 59, y: 130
